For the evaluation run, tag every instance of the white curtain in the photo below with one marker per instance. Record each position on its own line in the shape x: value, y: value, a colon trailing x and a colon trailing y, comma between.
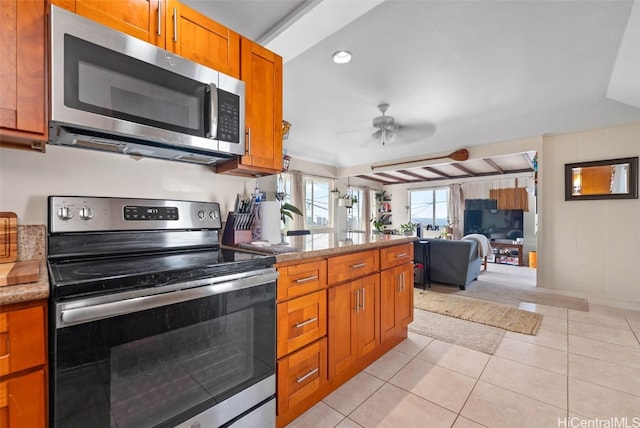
x: 366, y: 209
x: 297, y: 199
x: 456, y: 210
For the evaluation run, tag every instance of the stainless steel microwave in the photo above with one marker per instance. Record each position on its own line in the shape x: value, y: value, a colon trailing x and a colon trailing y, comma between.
x: 116, y: 93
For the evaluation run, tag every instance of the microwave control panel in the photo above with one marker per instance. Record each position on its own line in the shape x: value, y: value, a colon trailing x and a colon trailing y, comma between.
x: 228, y: 117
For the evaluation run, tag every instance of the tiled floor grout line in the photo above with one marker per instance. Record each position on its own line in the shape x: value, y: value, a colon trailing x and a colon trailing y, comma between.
x: 472, y: 389
x: 632, y: 330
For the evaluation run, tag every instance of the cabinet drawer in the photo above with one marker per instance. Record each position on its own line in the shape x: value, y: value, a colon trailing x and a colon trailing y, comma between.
x: 301, y: 321
x: 349, y: 266
x: 396, y: 255
x: 301, y: 374
x: 21, y: 338
x: 300, y: 279
x: 22, y: 401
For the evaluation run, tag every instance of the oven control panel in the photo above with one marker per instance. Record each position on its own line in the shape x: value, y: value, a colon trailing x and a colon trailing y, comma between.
x: 87, y: 214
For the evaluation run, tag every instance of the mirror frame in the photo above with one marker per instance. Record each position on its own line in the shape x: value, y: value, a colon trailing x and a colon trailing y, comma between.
x: 632, y: 184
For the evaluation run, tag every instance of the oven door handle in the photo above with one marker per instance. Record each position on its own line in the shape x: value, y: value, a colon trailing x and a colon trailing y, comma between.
x: 82, y: 314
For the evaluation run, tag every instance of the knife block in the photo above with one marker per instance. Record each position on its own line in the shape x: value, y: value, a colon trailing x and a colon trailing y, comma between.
x: 233, y: 237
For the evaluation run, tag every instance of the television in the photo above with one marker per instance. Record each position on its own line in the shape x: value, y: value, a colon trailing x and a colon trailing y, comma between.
x: 495, y: 224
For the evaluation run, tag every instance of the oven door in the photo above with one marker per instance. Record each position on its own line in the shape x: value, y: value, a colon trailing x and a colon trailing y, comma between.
x: 158, y: 360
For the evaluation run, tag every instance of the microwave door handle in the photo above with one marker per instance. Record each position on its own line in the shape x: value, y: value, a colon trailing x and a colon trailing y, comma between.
x: 213, y: 111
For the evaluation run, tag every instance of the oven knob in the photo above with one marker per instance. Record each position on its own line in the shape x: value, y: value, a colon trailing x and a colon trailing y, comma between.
x: 86, y: 213
x: 213, y: 215
x: 65, y: 213
x: 201, y: 214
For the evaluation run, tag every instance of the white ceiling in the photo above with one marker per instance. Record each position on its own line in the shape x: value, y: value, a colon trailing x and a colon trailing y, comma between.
x: 477, y: 72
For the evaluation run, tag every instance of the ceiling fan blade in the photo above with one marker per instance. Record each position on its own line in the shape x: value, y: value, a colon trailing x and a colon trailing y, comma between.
x: 421, y: 130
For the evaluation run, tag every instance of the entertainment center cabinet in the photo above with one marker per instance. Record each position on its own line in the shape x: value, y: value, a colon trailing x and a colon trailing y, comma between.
x: 502, y: 253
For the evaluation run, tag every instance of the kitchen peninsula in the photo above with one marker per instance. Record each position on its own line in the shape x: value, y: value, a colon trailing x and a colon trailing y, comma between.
x: 343, y: 300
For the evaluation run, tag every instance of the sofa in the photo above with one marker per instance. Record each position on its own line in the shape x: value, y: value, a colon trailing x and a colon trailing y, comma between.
x: 454, y: 262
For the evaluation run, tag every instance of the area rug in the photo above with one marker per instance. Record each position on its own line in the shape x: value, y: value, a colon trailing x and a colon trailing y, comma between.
x: 481, y: 289
x: 459, y: 332
x: 479, y: 311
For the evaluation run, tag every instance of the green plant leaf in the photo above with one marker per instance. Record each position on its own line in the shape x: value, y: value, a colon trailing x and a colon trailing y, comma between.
x: 288, y: 207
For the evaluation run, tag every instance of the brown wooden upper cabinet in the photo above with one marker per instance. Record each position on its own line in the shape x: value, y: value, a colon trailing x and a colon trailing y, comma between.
x: 143, y: 19
x: 193, y: 35
x: 167, y: 24
x: 23, y: 76
x: 261, y: 71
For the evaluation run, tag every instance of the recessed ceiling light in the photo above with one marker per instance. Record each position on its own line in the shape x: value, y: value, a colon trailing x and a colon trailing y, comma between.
x: 342, y: 57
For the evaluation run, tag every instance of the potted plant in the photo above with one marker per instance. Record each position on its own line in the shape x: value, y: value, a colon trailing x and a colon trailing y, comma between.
x: 378, y: 225
x: 347, y: 200
x: 381, y: 195
x: 408, y: 228
x: 287, y: 209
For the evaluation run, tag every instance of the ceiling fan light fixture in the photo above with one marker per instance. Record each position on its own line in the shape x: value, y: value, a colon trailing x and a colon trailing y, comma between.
x: 341, y: 57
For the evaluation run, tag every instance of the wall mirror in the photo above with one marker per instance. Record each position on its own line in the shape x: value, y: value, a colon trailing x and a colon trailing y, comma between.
x: 605, y: 179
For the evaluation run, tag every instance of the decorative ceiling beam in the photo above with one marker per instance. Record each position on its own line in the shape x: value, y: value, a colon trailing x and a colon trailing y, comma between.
x: 463, y: 169
x: 436, y: 172
x: 413, y: 174
x: 373, y: 178
x: 391, y: 177
x: 511, y: 171
x: 494, y: 165
x: 529, y: 160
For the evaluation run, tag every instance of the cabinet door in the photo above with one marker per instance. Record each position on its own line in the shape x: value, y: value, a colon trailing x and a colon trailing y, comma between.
x: 23, y: 75
x: 22, y: 338
x: 342, y: 328
x: 367, y: 314
x: 261, y: 71
x: 396, y: 307
x: 199, y: 38
x: 301, y: 321
x: 301, y: 374
x: 22, y: 401
x: 404, y: 303
x: 142, y: 19
x: 354, y: 322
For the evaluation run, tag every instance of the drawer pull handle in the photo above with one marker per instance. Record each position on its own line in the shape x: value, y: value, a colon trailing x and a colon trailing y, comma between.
x: 159, y: 30
x: 401, y: 255
x: 307, y: 279
x: 309, y: 321
x: 305, y: 377
x: 358, y: 265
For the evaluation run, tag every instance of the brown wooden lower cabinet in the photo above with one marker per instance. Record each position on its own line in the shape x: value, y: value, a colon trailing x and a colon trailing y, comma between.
x: 22, y: 401
x: 369, y: 302
x: 354, y: 329
x: 23, y: 365
x: 397, y: 293
x: 301, y: 374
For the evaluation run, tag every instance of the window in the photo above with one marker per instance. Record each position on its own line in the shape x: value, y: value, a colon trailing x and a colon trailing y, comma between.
x: 355, y: 216
x: 429, y: 206
x: 318, y: 209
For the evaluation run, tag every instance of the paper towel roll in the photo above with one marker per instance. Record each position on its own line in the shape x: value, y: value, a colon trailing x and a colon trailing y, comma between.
x: 269, y: 213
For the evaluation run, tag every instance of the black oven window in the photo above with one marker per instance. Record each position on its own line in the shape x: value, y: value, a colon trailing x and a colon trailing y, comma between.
x: 144, y: 368
x: 102, y: 81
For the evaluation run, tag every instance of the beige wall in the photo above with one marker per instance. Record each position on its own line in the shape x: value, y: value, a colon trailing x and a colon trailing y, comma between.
x: 590, y: 247
x: 27, y: 178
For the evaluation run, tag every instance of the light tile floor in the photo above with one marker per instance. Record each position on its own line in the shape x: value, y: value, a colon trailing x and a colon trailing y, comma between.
x: 581, y: 368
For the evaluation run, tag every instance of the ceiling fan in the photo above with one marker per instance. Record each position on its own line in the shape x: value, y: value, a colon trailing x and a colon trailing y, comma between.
x: 387, y: 130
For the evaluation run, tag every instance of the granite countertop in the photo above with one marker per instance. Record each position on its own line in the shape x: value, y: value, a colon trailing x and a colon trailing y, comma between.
x: 31, y: 245
x: 330, y: 244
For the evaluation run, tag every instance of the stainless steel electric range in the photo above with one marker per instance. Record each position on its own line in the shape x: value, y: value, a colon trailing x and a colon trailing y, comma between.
x: 152, y: 324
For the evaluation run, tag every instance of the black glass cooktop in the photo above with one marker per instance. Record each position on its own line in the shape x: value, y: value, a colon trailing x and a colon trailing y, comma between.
x: 81, y: 277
